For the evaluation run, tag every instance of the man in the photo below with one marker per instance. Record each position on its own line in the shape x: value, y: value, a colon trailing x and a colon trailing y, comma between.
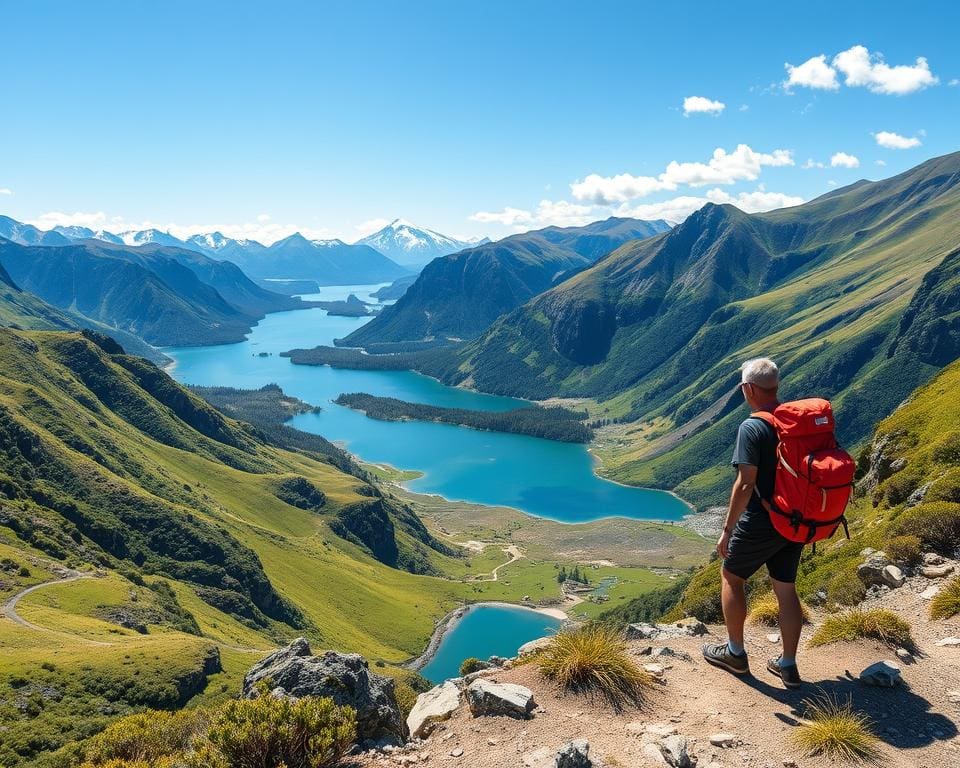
x: 749, y: 539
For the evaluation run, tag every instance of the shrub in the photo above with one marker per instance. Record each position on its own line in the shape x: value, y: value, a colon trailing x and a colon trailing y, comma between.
x: 147, y: 737
x: 946, y: 602
x: 936, y: 524
x: 845, y: 587
x: 836, y: 731
x: 269, y: 732
x: 593, y: 659
x: 406, y: 696
x: 765, y: 610
x: 876, y: 624
x: 471, y: 665
x: 903, y: 549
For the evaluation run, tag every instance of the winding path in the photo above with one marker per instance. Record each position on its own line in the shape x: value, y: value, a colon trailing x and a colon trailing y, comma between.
x: 10, y: 607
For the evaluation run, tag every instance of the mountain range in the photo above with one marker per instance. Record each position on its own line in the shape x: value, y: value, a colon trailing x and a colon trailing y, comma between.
x: 413, y: 246
x: 855, y: 294
x: 162, y: 295
x: 459, y: 295
x: 395, y: 251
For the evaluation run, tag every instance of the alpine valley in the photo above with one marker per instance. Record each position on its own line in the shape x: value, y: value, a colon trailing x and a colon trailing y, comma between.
x: 197, y: 470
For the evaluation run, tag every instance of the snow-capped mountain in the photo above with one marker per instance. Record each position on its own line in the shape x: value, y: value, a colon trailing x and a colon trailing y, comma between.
x: 410, y: 245
x: 151, y: 236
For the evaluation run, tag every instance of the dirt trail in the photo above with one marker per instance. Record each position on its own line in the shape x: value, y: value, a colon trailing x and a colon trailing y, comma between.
x: 917, y: 723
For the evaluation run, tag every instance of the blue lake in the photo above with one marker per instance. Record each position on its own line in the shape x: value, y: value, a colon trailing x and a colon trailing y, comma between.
x: 487, y: 630
x: 540, y: 477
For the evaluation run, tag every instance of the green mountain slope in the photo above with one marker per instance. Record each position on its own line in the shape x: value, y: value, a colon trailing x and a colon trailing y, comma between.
x: 853, y: 293
x: 158, y: 294
x: 458, y: 296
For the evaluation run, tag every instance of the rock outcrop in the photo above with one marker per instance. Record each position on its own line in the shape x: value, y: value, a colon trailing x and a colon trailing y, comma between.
x: 488, y: 698
x: 432, y: 707
x: 344, y: 677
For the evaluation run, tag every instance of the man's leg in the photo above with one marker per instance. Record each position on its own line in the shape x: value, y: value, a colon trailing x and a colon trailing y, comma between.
x: 734, y: 601
x: 791, y: 618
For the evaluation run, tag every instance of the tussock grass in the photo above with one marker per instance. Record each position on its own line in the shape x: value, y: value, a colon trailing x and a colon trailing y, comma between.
x: 946, y: 602
x: 836, y: 731
x: 876, y: 624
x: 593, y: 659
x: 765, y: 610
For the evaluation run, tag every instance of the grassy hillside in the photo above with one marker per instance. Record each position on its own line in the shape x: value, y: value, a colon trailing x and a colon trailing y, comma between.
x: 853, y: 293
x: 459, y: 295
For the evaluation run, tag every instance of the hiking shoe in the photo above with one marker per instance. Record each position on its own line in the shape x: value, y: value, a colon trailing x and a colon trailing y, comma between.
x: 789, y: 674
x: 719, y: 655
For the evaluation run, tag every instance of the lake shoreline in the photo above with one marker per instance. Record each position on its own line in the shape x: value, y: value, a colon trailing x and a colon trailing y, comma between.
x: 449, y: 622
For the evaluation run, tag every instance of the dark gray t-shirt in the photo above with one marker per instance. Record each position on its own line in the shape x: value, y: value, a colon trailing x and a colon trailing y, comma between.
x: 757, y: 445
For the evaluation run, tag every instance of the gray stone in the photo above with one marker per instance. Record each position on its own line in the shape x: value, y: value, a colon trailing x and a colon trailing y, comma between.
x: 949, y: 642
x: 534, y: 645
x: 432, y: 707
x: 458, y: 752
x: 688, y: 627
x: 675, y: 751
x: 642, y: 631
x: 344, y: 677
x: 893, y: 577
x: 487, y: 698
x: 936, y: 571
x: 576, y: 754
x: 883, y: 674
x: 724, y: 740
x: 654, y: 669
x: 773, y: 637
x: 904, y: 655
x: 870, y: 571
x: 932, y: 558
x: 930, y: 592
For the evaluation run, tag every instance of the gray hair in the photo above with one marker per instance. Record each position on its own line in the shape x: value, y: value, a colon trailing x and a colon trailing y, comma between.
x: 761, y: 371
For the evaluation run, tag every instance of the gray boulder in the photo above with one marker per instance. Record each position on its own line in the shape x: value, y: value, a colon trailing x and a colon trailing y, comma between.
x: 893, y: 577
x: 576, y: 754
x: 676, y: 752
x: 488, y: 698
x: 882, y: 674
x: 344, y: 677
x: 437, y: 704
x: 870, y: 571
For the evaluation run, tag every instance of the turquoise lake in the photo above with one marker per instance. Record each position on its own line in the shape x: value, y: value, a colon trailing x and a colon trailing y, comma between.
x: 540, y: 477
x: 487, y: 630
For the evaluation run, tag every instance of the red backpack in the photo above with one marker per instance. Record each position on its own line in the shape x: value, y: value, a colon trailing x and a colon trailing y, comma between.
x: 814, y: 477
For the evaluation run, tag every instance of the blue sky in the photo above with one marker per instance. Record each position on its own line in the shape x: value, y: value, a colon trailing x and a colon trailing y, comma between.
x: 469, y: 118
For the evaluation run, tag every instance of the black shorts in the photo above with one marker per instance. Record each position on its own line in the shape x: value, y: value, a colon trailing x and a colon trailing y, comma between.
x: 756, y: 542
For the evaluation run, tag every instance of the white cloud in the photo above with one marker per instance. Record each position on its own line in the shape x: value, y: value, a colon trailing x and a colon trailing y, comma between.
x: 678, y: 208
x: 890, y: 140
x: 744, y: 107
x: 560, y: 213
x: 843, y: 160
x: 811, y: 163
x: 370, y: 226
x: 702, y: 105
x: 743, y: 164
x: 868, y: 70
x: 53, y: 219
x: 955, y: 82
x: 263, y: 217
x: 861, y: 69
x: 831, y: 183
x: 508, y: 217
x: 813, y: 73
x: 881, y: 163
x: 6, y: 191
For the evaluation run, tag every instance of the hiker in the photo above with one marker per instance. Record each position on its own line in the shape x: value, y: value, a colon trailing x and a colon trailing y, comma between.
x: 749, y: 539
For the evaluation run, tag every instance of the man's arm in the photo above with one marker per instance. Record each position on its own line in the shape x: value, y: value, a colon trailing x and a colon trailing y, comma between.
x: 739, y: 496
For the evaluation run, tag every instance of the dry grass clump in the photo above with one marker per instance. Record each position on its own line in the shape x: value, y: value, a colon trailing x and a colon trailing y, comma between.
x: 836, y: 731
x: 594, y: 660
x: 765, y: 610
x: 946, y: 602
x: 876, y: 624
